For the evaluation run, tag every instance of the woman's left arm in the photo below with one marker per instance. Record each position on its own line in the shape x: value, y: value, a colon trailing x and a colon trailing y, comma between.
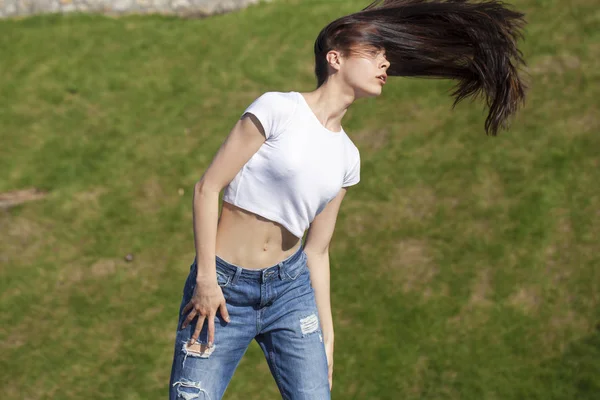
x: 318, y: 264
x: 316, y: 247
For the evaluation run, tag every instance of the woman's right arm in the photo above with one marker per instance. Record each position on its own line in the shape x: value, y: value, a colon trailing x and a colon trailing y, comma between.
x: 243, y: 141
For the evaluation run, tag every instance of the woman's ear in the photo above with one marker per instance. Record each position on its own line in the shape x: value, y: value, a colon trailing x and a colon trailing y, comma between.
x: 333, y: 59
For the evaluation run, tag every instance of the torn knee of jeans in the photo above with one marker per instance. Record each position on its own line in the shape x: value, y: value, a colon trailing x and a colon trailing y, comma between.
x: 309, y: 324
x: 198, y: 349
x: 188, y: 390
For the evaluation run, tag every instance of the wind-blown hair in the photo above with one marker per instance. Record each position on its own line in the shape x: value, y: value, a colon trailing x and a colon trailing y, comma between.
x: 473, y: 43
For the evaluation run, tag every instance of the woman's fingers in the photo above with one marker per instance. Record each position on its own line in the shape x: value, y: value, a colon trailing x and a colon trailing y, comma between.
x: 187, y: 307
x: 211, y: 330
x: 199, y: 325
x: 224, y: 312
x: 200, y: 312
x: 189, y: 318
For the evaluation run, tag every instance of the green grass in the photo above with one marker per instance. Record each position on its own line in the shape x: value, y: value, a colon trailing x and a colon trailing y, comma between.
x: 463, y: 266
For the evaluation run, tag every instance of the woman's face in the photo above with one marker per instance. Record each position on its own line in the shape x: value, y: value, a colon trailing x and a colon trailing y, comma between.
x: 365, y: 71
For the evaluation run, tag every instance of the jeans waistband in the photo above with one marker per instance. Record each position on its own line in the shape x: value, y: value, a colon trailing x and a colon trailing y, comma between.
x: 260, y: 274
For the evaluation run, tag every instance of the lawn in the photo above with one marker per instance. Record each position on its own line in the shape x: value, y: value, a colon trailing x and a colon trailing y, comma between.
x: 464, y: 266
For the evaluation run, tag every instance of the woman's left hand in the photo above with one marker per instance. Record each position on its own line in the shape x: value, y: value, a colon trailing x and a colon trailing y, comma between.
x: 329, y: 352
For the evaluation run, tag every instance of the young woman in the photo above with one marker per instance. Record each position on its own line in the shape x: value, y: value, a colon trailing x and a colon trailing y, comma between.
x: 285, y: 168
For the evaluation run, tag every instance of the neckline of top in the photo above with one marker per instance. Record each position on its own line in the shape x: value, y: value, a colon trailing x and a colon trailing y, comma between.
x: 303, y: 100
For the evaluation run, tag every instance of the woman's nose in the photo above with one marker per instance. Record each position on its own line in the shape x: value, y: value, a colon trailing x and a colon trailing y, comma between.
x: 385, y: 63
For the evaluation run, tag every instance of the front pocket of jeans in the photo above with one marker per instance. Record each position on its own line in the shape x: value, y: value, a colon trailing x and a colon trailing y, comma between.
x: 295, y: 273
x: 223, y: 279
x: 298, y: 268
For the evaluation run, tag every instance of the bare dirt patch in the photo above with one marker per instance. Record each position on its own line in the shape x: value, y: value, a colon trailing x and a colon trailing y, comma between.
x: 16, y: 197
x: 103, y: 267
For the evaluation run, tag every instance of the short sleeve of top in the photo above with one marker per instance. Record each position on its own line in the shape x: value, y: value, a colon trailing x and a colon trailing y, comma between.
x: 352, y: 175
x: 274, y: 110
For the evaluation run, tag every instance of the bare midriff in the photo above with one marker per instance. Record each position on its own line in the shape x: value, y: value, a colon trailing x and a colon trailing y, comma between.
x: 250, y: 241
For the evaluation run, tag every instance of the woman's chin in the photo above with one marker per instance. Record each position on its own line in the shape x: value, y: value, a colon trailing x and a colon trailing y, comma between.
x: 370, y: 92
x: 376, y: 92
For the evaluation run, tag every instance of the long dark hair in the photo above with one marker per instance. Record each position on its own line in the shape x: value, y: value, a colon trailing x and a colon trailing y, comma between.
x: 474, y: 43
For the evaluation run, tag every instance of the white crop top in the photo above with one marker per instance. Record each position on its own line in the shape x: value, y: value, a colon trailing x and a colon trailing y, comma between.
x: 299, y: 168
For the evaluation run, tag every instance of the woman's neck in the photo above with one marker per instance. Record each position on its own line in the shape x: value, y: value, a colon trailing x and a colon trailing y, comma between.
x: 329, y: 105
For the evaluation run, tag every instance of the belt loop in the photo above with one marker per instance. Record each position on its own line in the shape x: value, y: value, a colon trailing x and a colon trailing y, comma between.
x: 280, y: 269
x: 236, y: 275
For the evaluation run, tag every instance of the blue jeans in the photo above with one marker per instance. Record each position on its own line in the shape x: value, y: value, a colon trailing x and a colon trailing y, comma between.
x: 276, y: 307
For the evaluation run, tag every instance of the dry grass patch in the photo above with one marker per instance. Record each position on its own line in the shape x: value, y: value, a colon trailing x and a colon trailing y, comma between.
x: 415, y: 203
x: 143, y: 269
x: 489, y: 190
x: 565, y: 258
x: 555, y: 64
x: 355, y: 225
x: 41, y: 322
x: 482, y: 288
x: 421, y: 119
x: 583, y: 123
x: 420, y: 370
x: 474, y: 312
x: 342, y: 320
x: 562, y: 327
x: 557, y: 254
x: 371, y: 141
x: 152, y: 196
x: 25, y: 241
x: 479, y: 229
x: 103, y: 267
x: 85, y: 206
x: 19, y: 229
x: 91, y: 196
x: 410, y: 266
x: 525, y: 299
x: 76, y: 272
x: 408, y: 205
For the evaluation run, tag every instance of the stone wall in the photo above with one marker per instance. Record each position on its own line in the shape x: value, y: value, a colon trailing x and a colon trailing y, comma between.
x: 14, y: 8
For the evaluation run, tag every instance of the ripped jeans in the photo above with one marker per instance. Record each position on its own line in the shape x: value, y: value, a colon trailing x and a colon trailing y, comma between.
x: 276, y: 307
